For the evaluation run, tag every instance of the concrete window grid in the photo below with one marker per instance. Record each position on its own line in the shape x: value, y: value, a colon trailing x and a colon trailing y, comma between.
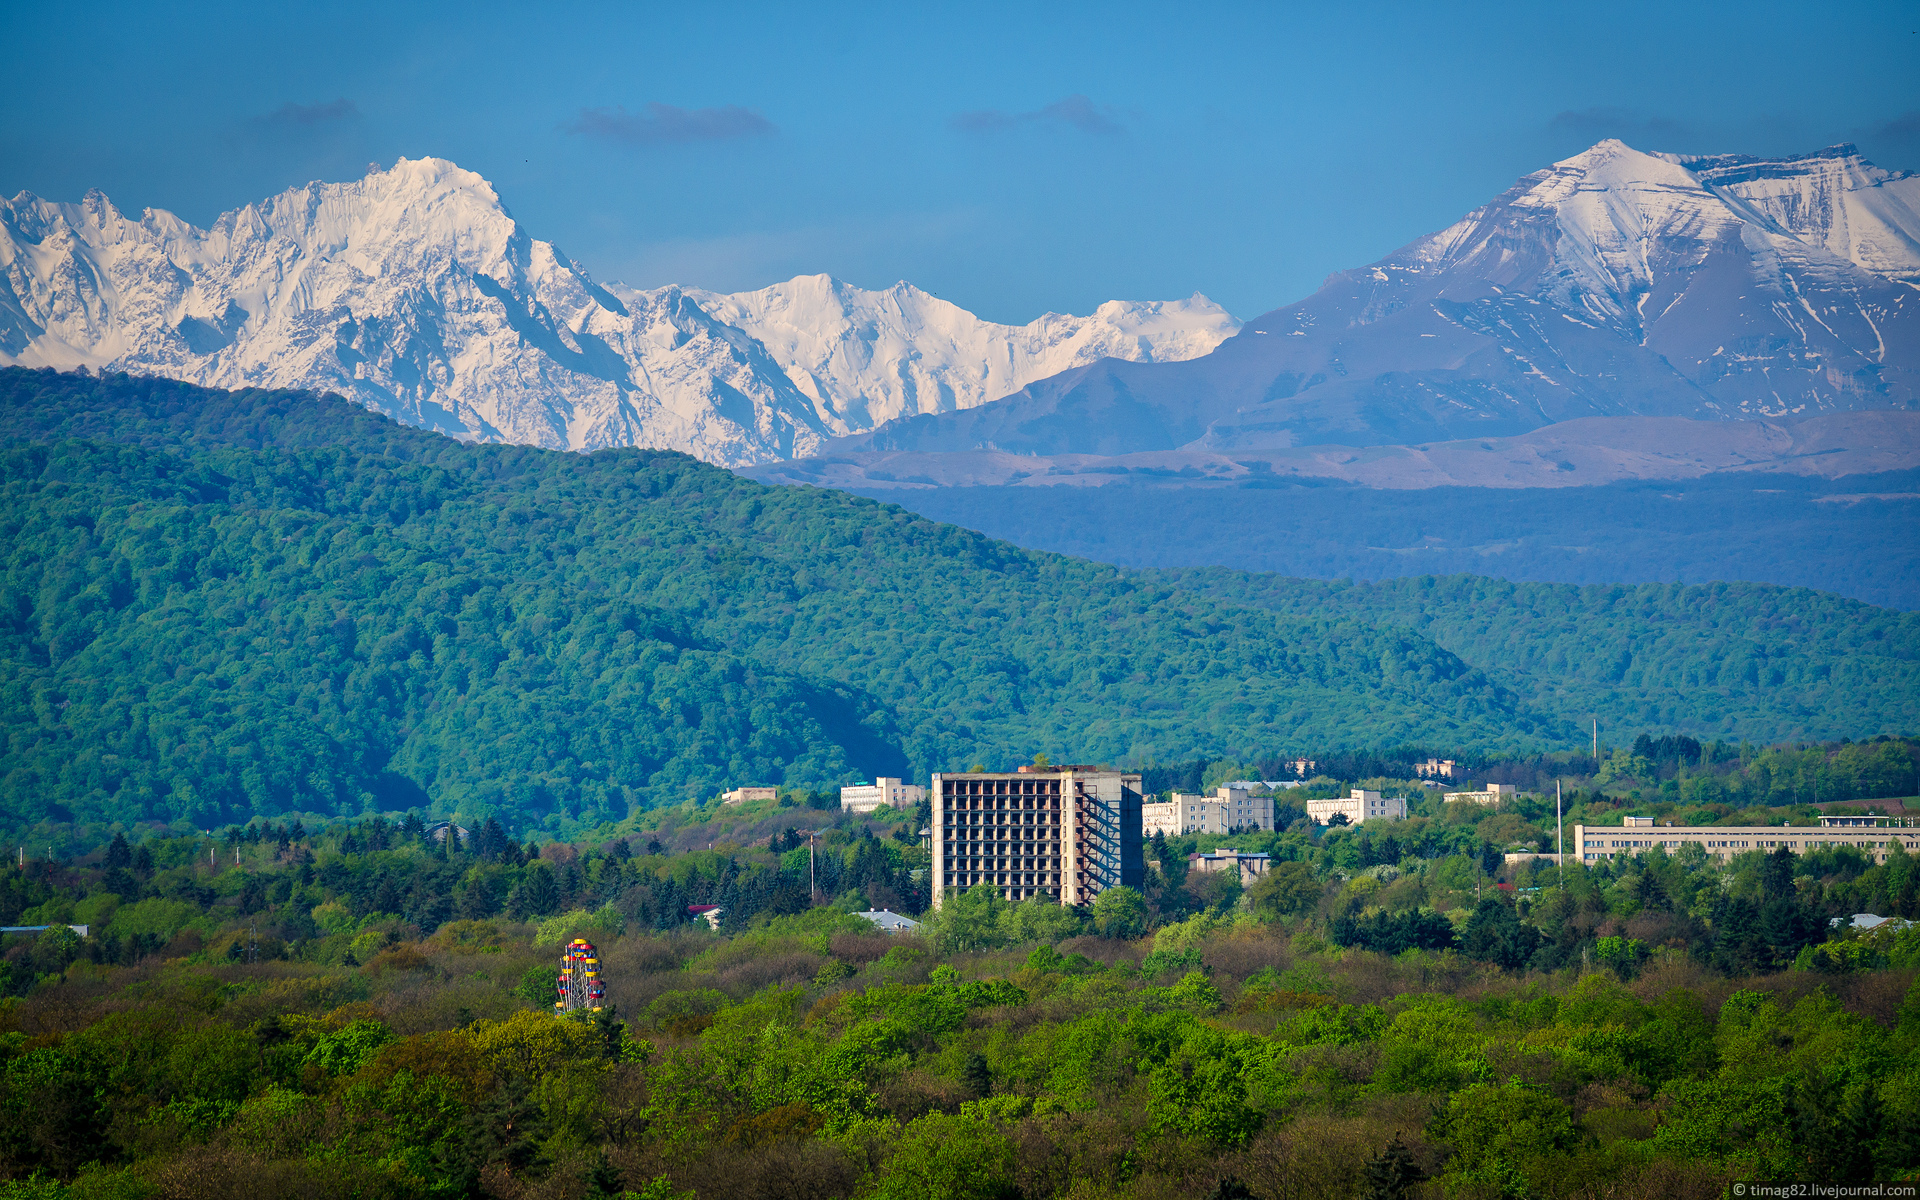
x: 1003, y: 831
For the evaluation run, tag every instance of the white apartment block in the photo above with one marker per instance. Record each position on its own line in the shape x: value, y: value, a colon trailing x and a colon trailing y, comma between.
x: 1358, y: 807
x: 864, y: 798
x: 1493, y: 793
x: 1065, y: 833
x: 1598, y: 843
x: 1183, y: 814
x: 1228, y: 809
x: 1246, y: 810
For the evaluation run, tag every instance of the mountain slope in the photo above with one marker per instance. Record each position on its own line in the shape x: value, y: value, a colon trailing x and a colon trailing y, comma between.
x: 218, y: 603
x: 1571, y: 454
x: 414, y: 292
x: 1656, y: 655
x: 1615, y: 283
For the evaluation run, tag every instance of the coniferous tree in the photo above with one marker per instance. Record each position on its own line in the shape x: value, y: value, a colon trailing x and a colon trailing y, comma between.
x: 1392, y: 1173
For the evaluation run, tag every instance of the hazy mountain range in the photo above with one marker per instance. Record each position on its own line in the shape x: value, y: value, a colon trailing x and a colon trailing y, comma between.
x: 1615, y: 283
x: 1618, y: 316
x: 414, y: 292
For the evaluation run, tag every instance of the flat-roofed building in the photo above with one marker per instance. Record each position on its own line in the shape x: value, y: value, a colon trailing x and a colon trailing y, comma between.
x: 865, y: 797
x: 1359, y: 806
x: 1245, y: 808
x: 1435, y: 768
x: 1067, y: 833
x: 741, y: 795
x: 1250, y: 866
x: 1230, y: 808
x: 1599, y: 843
x: 1493, y: 793
x: 1182, y: 814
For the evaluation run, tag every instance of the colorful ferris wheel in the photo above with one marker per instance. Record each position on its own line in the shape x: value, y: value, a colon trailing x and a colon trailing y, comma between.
x: 579, y: 985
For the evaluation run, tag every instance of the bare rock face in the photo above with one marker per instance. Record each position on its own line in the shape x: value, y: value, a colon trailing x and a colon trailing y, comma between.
x: 414, y: 291
x: 1615, y: 283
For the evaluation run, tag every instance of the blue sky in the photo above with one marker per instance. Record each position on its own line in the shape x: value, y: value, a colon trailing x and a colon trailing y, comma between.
x: 1012, y: 158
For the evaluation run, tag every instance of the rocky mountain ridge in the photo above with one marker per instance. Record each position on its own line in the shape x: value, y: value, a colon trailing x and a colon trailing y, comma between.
x: 414, y: 291
x: 1613, y: 284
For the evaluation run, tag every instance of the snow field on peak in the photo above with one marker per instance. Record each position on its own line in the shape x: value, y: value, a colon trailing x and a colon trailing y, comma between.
x: 866, y: 357
x: 414, y: 291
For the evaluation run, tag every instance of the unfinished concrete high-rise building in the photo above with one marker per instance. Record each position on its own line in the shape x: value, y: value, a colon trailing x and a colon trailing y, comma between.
x: 1067, y: 833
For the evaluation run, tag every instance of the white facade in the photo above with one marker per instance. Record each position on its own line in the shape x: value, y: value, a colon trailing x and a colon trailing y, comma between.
x: 1229, y: 808
x: 1597, y: 843
x: 1493, y: 793
x: 741, y: 795
x: 887, y: 790
x: 1358, y: 807
x: 1183, y: 814
x: 1246, y: 810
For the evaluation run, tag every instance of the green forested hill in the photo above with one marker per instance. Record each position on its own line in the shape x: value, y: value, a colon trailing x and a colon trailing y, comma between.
x: 1729, y: 660
x: 215, y: 604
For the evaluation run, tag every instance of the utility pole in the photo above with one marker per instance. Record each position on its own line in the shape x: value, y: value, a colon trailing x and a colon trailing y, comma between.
x: 1559, y: 836
x: 1596, y: 740
x: 812, y: 885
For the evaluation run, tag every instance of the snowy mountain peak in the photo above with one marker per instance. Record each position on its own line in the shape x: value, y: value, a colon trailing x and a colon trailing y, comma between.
x: 866, y: 357
x: 1611, y: 283
x: 414, y: 291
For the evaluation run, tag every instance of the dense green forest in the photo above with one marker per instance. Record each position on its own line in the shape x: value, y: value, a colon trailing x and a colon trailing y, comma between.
x: 220, y: 605
x: 1727, y: 660
x: 364, y: 1010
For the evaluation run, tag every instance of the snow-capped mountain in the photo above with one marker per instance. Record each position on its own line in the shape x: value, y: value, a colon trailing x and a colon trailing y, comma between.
x: 415, y: 292
x: 1614, y: 283
x: 867, y: 357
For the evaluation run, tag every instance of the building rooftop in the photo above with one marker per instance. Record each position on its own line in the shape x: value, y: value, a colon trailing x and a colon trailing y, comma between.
x: 890, y: 921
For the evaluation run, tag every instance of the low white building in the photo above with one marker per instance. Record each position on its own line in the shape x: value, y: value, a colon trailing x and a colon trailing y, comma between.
x: 1435, y: 768
x: 1493, y: 793
x: 1183, y: 814
x: 1358, y: 807
x: 741, y: 795
x: 887, y: 790
x: 1598, y: 843
x: 1250, y: 866
x: 1245, y: 809
x: 1232, y: 807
